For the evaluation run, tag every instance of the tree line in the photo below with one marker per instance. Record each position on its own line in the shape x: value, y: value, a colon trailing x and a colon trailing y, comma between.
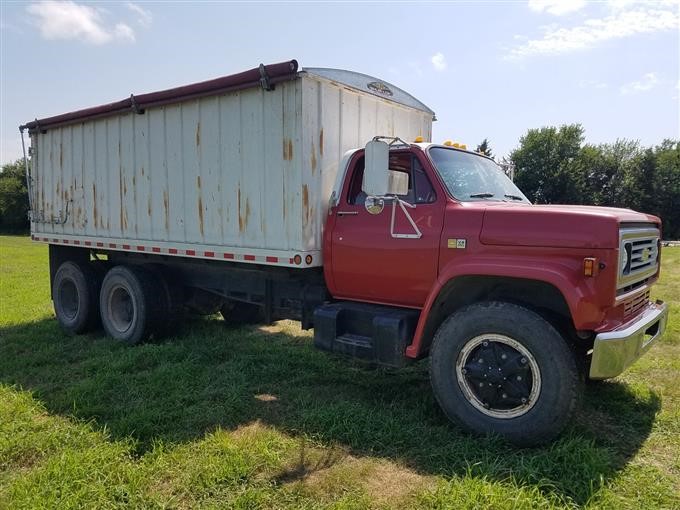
x: 553, y: 165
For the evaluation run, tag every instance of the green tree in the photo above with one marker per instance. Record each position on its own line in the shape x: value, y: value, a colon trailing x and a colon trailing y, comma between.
x: 13, y: 198
x: 485, y: 148
x: 544, y: 164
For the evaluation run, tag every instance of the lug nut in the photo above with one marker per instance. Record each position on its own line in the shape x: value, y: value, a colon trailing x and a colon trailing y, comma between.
x: 503, y: 356
x: 481, y: 384
x: 481, y: 360
x: 485, y: 344
x: 524, y: 400
x: 464, y: 371
x: 523, y: 360
x: 505, y: 395
x: 519, y: 377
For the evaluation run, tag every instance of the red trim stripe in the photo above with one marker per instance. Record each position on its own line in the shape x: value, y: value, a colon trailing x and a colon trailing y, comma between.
x: 140, y: 248
x: 88, y: 243
x: 101, y: 245
x: 155, y: 249
x: 209, y: 253
x: 229, y: 256
x: 249, y: 257
x: 46, y: 240
x: 111, y: 245
x: 76, y: 242
x: 273, y: 259
x: 126, y: 246
x: 191, y: 253
x: 173, y: 251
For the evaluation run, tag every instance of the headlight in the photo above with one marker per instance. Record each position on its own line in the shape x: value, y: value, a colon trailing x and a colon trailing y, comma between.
x: 625, y: 258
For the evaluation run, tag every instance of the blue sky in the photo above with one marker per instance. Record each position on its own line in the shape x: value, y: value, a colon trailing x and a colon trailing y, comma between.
x: 488, y: 69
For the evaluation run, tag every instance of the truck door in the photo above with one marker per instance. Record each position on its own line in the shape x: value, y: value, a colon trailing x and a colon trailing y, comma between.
x: 369, y: 263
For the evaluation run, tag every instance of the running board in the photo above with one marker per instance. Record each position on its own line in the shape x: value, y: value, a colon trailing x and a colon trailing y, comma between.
x: 373, y: 333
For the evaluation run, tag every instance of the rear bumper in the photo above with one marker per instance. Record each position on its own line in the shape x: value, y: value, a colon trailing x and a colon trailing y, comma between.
x: 614, y: 351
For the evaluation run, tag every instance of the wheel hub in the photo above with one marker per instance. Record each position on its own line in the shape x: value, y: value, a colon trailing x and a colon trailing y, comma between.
x: 498, y: 376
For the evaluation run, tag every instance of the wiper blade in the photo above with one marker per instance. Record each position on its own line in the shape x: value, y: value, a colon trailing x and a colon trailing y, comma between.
x: 484, y: 194
x: 514, y: 197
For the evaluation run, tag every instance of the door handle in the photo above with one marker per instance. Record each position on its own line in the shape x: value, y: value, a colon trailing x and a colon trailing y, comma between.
x: 347, y: 213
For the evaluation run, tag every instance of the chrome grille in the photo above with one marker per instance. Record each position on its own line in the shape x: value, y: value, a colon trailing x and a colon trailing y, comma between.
x: 638, y: 256
x: 632, y: 306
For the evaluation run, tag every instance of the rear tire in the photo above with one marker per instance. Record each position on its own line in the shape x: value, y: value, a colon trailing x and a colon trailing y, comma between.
x: 75, y: 294
x: 133, y: 304
x: 500, y: 368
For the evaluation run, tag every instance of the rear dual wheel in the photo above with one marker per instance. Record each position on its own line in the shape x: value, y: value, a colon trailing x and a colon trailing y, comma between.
x: 133, y: 304
x: 75, y: 295
x: 500, y: 368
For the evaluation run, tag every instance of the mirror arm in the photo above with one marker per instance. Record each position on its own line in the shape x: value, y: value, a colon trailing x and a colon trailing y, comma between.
x: 403, y: 205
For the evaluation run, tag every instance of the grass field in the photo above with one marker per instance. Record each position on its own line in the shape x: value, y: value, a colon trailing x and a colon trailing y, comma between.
x: 256, y: 418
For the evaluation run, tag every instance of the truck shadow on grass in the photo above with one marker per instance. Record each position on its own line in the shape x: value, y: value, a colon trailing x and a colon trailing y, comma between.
x: 212, y: 375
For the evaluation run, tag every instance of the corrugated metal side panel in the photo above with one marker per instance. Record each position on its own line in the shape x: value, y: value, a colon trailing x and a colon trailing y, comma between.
x: 335, y: 120
x: 222, y: 170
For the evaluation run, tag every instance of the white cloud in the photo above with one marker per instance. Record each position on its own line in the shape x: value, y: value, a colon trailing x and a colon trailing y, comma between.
x: 556, y: 7
x: 647, y: 82
x: 69, y: 20
x: 592, y: 84
x: 591, y: 32
x: 438, y: 61
x: 144, y: 17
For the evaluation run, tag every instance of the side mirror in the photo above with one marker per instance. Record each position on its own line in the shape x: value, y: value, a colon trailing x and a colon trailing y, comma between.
x: 376, y: 175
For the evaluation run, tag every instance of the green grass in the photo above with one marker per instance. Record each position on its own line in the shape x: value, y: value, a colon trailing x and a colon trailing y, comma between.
x: 256, y: 418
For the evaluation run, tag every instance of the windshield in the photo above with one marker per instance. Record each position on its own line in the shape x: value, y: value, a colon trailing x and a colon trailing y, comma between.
x: 469, y: 177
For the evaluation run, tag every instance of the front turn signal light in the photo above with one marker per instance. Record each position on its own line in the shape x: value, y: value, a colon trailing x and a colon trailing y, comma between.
x: 590, y: 266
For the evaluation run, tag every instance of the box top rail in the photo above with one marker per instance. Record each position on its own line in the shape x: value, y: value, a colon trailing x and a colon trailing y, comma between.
x: 266, y: 76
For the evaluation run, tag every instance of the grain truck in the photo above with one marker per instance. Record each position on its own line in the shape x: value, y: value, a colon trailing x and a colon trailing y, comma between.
x: 317, y: 195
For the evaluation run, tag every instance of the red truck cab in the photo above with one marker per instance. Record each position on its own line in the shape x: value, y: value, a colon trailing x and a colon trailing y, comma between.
x: 535, y: 292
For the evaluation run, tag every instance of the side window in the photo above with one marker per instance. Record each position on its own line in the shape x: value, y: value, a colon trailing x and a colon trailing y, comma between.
x: 420, y: 190
x: 424, y: 192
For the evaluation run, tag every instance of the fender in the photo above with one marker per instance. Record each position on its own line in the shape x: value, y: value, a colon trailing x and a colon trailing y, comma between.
x: 587, y: 301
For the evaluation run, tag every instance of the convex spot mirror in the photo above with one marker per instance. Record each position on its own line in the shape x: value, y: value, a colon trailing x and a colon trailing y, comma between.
x: 374, y: 205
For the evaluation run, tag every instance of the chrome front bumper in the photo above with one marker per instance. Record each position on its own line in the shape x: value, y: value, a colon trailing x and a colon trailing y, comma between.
x: 614, y: 351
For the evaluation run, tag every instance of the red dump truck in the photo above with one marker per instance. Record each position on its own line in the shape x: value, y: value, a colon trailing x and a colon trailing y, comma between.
x: 314, y: 194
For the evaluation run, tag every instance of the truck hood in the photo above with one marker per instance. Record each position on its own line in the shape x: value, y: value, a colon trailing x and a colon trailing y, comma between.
x: 559, y: 226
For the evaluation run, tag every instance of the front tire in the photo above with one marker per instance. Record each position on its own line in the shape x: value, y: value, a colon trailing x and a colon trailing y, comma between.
x: 500, y: 368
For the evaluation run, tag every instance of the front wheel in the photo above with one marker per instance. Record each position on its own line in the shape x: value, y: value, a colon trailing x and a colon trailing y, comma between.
x: 501, y: 368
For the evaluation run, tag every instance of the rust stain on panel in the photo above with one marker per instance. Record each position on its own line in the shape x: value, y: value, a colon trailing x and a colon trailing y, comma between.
x: 198, y: 181
x: 313, y: 159
x: 321, y: 142
x: 120, y: 197
x: 134, y: 180
x: 198, y: 134
x: 142, y: 171
x: 61, y: 155
x: 287, y: 149
x: 247, y: 211
x: 200, y: 214
x: 148, y: 205
x: 94, y: 203
x: 241, y: 225
x: 166, y: 208
x: 305, y: 202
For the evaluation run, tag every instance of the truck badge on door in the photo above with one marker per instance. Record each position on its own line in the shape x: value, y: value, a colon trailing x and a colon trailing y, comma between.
x: 457, y: 243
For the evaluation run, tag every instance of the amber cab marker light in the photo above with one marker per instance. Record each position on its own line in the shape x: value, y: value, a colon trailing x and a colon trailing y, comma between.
x: 419, y: 139
x: 590, y: 266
